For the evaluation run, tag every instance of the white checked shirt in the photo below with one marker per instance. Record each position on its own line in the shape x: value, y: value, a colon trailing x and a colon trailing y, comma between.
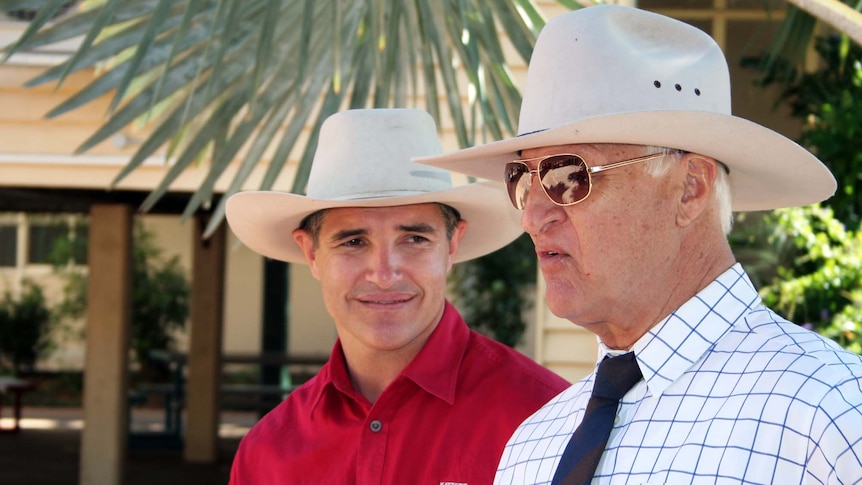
x: 732, y: 393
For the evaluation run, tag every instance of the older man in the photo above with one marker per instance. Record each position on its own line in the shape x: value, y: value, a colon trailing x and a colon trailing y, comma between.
x: 410, y: 394
x: 627, y: 168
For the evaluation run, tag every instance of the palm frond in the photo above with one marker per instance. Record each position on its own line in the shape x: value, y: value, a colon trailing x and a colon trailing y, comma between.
x: 236, y: 82
x: 787, y: 54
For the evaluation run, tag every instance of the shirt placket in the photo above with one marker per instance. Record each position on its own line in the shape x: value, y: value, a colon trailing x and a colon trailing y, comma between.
x: 374, y: 438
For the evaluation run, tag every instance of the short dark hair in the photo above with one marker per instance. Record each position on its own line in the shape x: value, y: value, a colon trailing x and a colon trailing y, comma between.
x: 451, y: 217
x: 314, y: 221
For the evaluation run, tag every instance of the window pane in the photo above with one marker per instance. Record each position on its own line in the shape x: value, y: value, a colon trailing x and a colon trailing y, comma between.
x: 42, y: 240
x: 79, y: 245
x: 8, y: 245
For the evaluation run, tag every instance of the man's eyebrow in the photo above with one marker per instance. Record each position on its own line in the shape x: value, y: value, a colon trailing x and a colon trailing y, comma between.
x: 420, y: 228
x: 348, y: 233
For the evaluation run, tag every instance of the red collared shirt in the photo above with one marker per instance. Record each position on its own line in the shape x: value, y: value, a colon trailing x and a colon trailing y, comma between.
x: 444, y: 420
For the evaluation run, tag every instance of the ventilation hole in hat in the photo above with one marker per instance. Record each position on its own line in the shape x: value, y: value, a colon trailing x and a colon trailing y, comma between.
x: 678, y: 87
x: 656, y: 84
x: 697, y: 91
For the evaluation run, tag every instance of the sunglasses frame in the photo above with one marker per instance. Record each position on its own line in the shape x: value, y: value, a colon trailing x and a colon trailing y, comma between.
x: 590, y: 171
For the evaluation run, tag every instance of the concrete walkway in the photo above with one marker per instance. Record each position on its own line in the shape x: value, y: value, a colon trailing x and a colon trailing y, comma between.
x: 46, y: 450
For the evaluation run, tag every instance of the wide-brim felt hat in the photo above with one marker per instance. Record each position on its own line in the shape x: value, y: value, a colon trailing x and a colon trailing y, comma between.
x: 616, y: 74
x: 363, y: 159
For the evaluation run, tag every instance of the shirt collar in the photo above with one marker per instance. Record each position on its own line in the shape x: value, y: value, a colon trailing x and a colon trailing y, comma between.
x: 671, y: 347
x: 332, y: 376
x: 435, y: 368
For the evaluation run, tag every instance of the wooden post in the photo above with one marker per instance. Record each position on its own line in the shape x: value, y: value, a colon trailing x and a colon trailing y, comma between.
x: 205, y: 341
x: 106, y: 372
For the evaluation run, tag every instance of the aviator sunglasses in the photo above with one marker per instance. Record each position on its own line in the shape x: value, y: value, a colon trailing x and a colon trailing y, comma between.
x: 565, y: 178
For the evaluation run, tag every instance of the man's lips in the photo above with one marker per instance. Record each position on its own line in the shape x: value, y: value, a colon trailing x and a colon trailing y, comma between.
x: 544, y: 252
x: 385, y: 298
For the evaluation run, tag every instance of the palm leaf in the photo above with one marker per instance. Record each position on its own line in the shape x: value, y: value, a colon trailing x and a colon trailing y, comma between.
x: 47, y: 10
x: 788, y: 51
x: 103, y: 16
x: 224, y: 82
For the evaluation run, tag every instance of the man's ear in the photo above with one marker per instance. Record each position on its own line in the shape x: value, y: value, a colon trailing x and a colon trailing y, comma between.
x: 455, y: 241
x: 306, y: 244
x: 697, y: 189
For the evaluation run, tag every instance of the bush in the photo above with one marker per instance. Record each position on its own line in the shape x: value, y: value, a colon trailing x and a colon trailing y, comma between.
x: 24, y: 326
x: 829, y: 102
x: 816, y: 275
x: 491, y: 291
x: 160, y: 298
x: 816, y: 278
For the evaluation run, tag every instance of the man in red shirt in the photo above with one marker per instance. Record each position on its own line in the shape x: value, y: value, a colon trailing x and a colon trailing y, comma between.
x: 410, y: 394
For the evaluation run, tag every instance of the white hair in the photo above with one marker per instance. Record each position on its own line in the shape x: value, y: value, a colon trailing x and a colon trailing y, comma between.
x: 721, y: 188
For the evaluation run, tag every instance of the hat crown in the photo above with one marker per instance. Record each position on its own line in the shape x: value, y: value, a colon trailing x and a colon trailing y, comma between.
x: 612, y: 59
x: 366, y: 153
x: 617, y: 74
x: 364, y: 160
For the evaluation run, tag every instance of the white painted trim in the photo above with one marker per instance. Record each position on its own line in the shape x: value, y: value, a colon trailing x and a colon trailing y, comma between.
x: 80, y: 160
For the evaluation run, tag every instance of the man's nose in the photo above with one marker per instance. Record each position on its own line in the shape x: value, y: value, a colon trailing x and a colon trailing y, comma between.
x: 385, y: 266
x: 539, y: 212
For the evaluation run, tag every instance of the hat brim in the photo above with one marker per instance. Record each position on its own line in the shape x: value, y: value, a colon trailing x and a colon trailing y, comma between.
x: 265, y: 220
x: 767, y: 170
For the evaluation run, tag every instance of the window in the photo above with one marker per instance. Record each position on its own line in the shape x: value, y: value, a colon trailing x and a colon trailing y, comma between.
x: 8, y: 245
x: 42, y: 239
x: 50, y: 239
x: 79, y: 243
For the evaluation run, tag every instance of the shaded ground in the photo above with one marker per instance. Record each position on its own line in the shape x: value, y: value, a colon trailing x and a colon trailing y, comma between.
x: 46, y: 452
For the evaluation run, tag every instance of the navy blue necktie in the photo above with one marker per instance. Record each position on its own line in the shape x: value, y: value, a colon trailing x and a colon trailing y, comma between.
x: 616, y: 375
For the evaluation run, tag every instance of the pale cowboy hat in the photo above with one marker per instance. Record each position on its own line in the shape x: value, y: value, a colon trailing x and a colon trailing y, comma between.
x: 363, y: 160
x: 615, y: 74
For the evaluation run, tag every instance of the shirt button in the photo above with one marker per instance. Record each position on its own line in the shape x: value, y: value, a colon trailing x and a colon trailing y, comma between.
x: 376, y: 426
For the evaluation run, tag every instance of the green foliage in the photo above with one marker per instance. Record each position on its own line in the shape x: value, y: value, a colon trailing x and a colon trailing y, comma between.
x: 829, y: 101
x: 756, y: 247
x: 160, y: 298
x: 836, y: 131
x: 833, y: 97
x: 813, y: 275
x: 816, y: 278
x: 491, y: 291
x: 229, y: 79
x: 25, y: 323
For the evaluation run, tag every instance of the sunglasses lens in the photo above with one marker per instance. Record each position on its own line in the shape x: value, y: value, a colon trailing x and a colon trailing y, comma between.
x: 517, y: 178
x: 565, y: 178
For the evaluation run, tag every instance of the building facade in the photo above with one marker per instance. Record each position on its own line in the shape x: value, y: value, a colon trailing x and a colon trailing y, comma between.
x: 37, y: 161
